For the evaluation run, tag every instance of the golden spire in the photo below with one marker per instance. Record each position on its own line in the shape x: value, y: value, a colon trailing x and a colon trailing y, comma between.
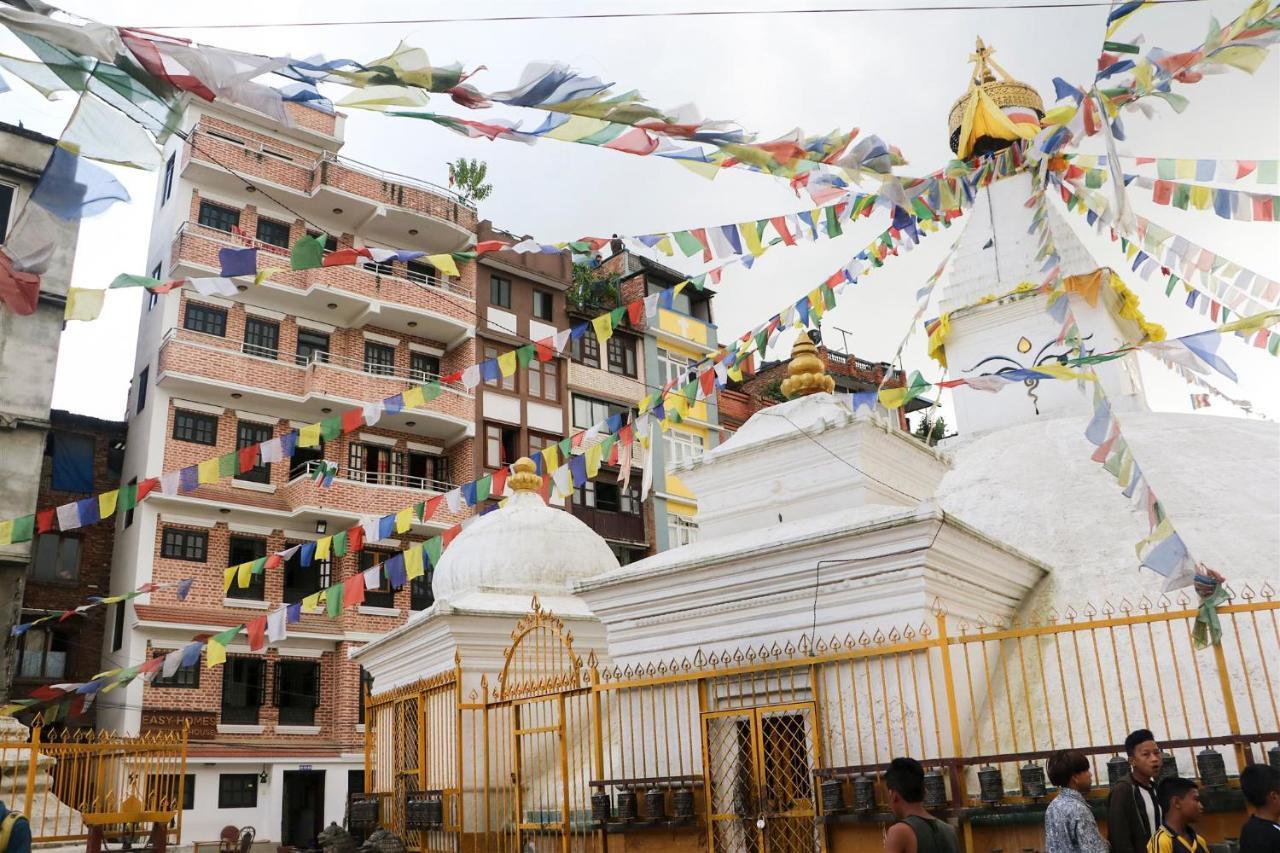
x: 981, y: 58
x: 1004, y: 92
x: 525, y: 476
x: 805, y: 372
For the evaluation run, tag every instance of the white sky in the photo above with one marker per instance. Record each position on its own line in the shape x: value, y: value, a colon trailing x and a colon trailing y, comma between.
x: 894, y: 74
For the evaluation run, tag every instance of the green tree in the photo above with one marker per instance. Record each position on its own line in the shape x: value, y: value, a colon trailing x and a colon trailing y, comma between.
x: 591, y: 291
x: 931, y: 432
x: 467, y: 178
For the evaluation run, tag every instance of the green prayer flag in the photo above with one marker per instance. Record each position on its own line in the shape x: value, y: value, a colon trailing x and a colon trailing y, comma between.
x: 228, y: 464
x: 566, y: 447
x: 699, y: 281
x: 615, y: 317
x: 418, y: 509
x: 307, y: 253
x: 687, y: 243
x: 1093, y: 178
x: 1167, y: 168
x: 828, y: 296
x: 333, y: 601
x: 482, y: 487
x: 340, y: 544
x: 1207, y: 630
x: 331, y: 427
x: 690, y: 391
x: 606, y: 446
x: 23, y: 528
x: 524, y: 355
x: 762, y: 341
x: 224, y: 639
x: 1181, y: 196
x: 128, y: 498
x: 431, y: 390
x: 833, y: 222
x: 432, y: 548
x: 1119, y: 47
x: 1268, y: 171
x: 259, y: 566
x: 126, y: 280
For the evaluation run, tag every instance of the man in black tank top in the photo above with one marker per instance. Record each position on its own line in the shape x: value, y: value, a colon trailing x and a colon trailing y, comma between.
x: 916, y: 831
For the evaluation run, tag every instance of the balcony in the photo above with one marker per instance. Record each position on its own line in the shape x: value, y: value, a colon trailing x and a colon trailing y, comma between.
x: 613, y: 526
x: 351, y: 296
x: 364, y: 199
x: 681, y: 328
x: 210, y: 368
x: 366, y: 493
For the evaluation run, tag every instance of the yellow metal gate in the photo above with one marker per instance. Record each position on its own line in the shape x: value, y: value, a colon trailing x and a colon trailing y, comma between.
x: 759, y: 768
x: 542, y: 793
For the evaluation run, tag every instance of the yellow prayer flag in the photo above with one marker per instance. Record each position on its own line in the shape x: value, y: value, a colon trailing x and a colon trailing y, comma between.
x: 550, y: 458
x: 263, y: 275
x: 414, y: 398
x: 603, y: 326
x: 309, y: 435
x: 107, y: 503
x: 381, y: 97
x: 322, y: 547
x: 664, y: 246
x: 1201, y: 197
x: 207, y: 471
x: 815, y: 302
x: 444, y: 263
x: 735, y: 373
x: 675, y: 291
x: 244, y: 574
x: 413, y: 562
x: 1253, y: 323
x: 578, y: 127
x: 404, y: 518
x: 83, y: 303
x: 228, y: 575
x: 6, y: 532
x: 507, y: 363
x: 215, y: 653
x: 893, y: 398
x: 678, y: 404
x: 593, y: 454
x: 751, y: 238
x: 311, y: 602
x: 1184, y: 168
x: 1061, y: 371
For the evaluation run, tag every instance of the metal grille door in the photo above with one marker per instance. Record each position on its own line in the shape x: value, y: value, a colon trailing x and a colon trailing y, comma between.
x: 542, y: 800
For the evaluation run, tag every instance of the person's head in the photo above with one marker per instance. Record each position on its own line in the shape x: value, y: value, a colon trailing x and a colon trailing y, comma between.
x: 1144, y: 754
x: 905, y: 782
x: 1261, y: 786
x: 1068, y: 768
x: 1179, y: 800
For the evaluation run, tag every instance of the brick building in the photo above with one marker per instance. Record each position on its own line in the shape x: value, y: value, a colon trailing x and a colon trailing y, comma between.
x: 82, y: 457
x: 277, y: 735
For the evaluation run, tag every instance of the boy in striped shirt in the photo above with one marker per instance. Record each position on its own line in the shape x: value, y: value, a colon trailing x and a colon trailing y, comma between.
x: 1180, y: 802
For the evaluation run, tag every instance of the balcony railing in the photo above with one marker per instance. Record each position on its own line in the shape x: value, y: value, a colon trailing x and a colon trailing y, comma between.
x: 396, y: 178
x: 618, y: 526
x: 374, y: 478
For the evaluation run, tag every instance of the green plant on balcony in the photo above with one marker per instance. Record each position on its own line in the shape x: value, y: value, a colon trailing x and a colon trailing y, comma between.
x: 592, y: 293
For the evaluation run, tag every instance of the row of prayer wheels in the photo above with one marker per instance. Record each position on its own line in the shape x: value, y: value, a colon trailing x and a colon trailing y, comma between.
x: 655, y: 804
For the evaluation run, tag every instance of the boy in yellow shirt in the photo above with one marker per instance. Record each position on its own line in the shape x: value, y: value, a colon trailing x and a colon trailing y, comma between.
x: 1180, y: 802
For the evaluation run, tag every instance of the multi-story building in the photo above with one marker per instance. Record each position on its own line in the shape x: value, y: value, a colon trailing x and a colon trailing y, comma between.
x: 82, y: 457
x: 677, y: 338
x: 28, y: 354
x: 519, y: 298
x: 276, y: 734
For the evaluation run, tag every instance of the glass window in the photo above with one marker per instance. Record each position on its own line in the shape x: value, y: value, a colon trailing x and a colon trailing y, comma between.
x: 330, y: 241
x: 218, y: 217
x: 7, y: 194
x: 179, y: 544
x: 426, y: 470
x: 312, y: 346
x: 420, y: 595
x: 168, y: 179
x: 246, y: 549
x: 423, y: 367
x: 543, y: 304
x: 300, y: 581
x: 673, y: 369
x: 544, y: 380
x: 56, y: 559
x: 384, y: 595
x: 586, y: 349
x: 500, y: 291
x: 42, y: 654
x: 680, y: 531
x: 588, y: 411
x: 128, y: 513
x: 186, y: 677
x: 622, y: 355
x: 501, y: 445
x: 117, y: 631
x: 142, y: 389
x: 243, y: 689
x: 261, y: 337
x: 379, y: 359
x: 683, y: 447
x: 506, y: 383
x: 273, y: 233
x: 300, y: 462
x: 374, y: 463
x: 297, y: 691
x: 238, y: 790
x: 540, y: 441
x: 205, y: 318
x: 162, y: 790
x: 195, y: 427
x: 248, y: 434
x: 421, y: 273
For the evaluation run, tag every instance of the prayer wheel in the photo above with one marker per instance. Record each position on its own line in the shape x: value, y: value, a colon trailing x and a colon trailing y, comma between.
x: 935, y: 789
x: 990, y: 785
x: 864, y: 793
x: 1032, y: 776
x: 655, y: 803
x: 1213, y: 769
x: 832, y: 796
x: 1168, y: 767
x: 627, y: 804
x: 682, y: 803
x: 1273, y: 757
x: 601, y: 807
x: 1116, y: 767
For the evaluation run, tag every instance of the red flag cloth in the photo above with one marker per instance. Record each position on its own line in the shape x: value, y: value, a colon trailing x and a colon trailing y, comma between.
x: 780, y: 223
x: 344, y: 257
x: 1142, y: 161
x: 151, y: 55
x: 248, y: 458
x: 545, y: 349
x: 1162, y: 192
x: 168, y: 286
x: 499, y: 483
x: 700, y: 234
x: 456, y: 376
x: 274, y: 561
x: 355, y: 538
x: 148, y: 587
x: 1245, y: 168
x: 146, y: 486
x: 353, y: 590
x: 1262, y: 208
x: 18, y: 290
x: 430, y: 507
x: 44, y: 520
x: 257, y: 631
x: 66, y: 614
x: 708, y: 381
x: 352, y: 419
x: 490, y: 246
x: 635, y: 311
x: 748, y: 366
x: 545, y: 491
x: 634, y: 141
x: 450, y: 534
x: 715, y: 274
x: 625, y: 434
x: 151, y: 664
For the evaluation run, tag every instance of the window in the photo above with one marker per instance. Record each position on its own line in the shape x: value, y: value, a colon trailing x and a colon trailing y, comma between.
x: 379, y: 359
x: 366, y: 687
x: 303, y: 457
x: 261, y: 337
x: 162, y: 790
x: 205, y: 318
x: 243, y: 689
x: 237, y: 790
x: 541, y: 441
x: 330, y: 241
x: 426, y: 470
x: 300, y: 581
x: 72, y: 461
x: 673, y: 369
x: 423, y: 367
x: 153, y: 298
x: 501, y: 445
x: 384, y: 595
x: 56, y: 559
x: 380, y: 267
x: 7, y: 194
x: 248, y: 434
x: 608, y: 497
x: 543, y: 304
x: 544, y: 380
x: 506, y: 383
x: 680, y: 531
x: 117, y: 631
x: 500, y: 291
x: 184, y: 677
x: 297, y: 691
x: 374, y: 463
x: 273, y: 233
x: 218, y: 217
x: 128, y: 513
x: 586, y: 349
x: 42, y: 654
x: 179, y: 544
x: 683, y: 448
x: 167, y: 190
x: 312, y: 346
x: 420, y: 595
x: 190, y: 426
x: 142, y: 389
x: 158, y: 271
x: 421, y: 273
x: 622, y: 355
x: 245, y: 549
x: 588, y: 411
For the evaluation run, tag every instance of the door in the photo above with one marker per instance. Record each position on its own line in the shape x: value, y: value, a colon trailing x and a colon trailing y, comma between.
x: 542, y: 781
x: 302, y: 807
x: 759, y: 775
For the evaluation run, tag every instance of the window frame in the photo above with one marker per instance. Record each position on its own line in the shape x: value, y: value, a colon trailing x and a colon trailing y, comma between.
x: 188, y: 788
x: 543, y: 378
x: 594, y: 404
x: 6, y: 208
x: 272, y: 223
x: 53, y: 639
x: 249, y: 433
x: 167, y: 187
x: 417, y: 368
x: 502, y: 444
x: 680, y: 531
x: 302, y: 712
x: 41, y: 545
x: 421, y: 596
x: 204, y: 318
x: 245, y: 797
x: 383, y: 596
x: 502, y: 383
x: 266, y: 338
x: 183, y: 678
x: 624, y: 347
x: 585, y: 350
x: 180, y: 543
x: 194, y: 423
x: 257, y: 588
x: 379, y: 367
x: 250, y: 712
x: 225, y: 213
x: 144, y: 378
x: 312, y: 337
x: 682, y: 447
x: 318, y: 573
x: 499, y: 291
x: 548, y: 300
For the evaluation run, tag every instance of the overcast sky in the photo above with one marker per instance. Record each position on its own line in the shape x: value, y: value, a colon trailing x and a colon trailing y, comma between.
x: 891, y: 73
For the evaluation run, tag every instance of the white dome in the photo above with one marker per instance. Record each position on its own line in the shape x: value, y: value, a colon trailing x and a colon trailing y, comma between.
x: 525, y: 547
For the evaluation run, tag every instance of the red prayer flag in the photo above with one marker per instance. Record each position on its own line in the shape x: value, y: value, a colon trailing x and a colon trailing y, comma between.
x: 355, y: 538
x: 490, y: 246
x: 545, y: 349
x: 248, y: 457
x: 708, y: 381
x: 715, y: 274
x: 151, y: 664
x: 780, y: 223
x: 352, y: 419
x: 1262, y: 208
x: 1245, y: 168
x: 499, y: 483
x: 146, y: 486
x: 450, y: 534
x: 1142, y: 161
x: 344, y: 257
x: 66, y: 614
x: 18, y: 290
x: 429, y: 508
x: 700, y: 234
x: 274, y: 561
x: 257, y: 631
x: 1162, y: 192
x: 353, y: 590
x: 635, y: 311
x: 44, y: 520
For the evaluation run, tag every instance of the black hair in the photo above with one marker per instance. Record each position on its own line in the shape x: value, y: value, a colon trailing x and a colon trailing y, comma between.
x: 1135, y: 738
x: 1174, y: 786
x: 1064, y: 764
x: 1257, y: 781
x: 906, y: 776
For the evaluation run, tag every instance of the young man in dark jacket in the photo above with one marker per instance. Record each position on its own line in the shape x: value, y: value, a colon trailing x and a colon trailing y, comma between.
x: 1133, y: 810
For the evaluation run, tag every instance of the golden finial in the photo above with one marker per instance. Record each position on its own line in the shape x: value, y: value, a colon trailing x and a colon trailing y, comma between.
x: 525, y: 476
x: 981, y: 59
x: 805, y: 373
